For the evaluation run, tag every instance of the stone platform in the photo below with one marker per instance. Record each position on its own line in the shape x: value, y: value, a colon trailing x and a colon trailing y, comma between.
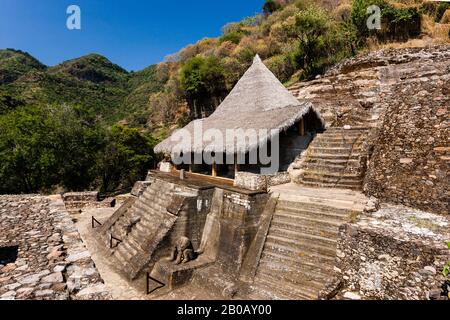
x: 394, y: 253
x: 50, y: 261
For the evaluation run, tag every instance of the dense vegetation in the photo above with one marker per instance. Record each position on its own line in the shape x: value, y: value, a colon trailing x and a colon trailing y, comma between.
x: 89, y: 124
x: 46, y: 146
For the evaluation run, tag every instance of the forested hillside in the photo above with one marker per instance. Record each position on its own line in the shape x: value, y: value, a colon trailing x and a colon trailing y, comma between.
x: 89, y: 124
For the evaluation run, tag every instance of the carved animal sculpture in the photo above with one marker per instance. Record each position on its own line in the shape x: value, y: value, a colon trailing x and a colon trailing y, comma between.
x: 183, y: 251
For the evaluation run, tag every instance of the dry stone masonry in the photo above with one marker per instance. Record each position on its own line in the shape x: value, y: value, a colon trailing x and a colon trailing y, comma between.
x: 393, y: 253
x: 51, y: 261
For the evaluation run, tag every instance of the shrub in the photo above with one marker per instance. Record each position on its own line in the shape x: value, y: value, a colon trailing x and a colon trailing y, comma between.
x: 446, y: 17
x: 313, y: 26
x: 270, y: 6
x: 441, y: 10
x: 397, y: 23
x: 234, y: 36
x: 283, y: 66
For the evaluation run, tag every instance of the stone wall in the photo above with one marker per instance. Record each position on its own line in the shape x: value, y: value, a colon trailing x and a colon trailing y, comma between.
x: 411, y: 154
x: 259, y: 182
x: 238, y: 220
x: 75, y: 202
x: 52, y: 261
x: 394, y: 253
x: 250, y: 181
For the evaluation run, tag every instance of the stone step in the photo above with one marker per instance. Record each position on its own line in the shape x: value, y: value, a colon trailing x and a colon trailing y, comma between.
x: 159, y: 199
x: 337, y: 162
x: 339, y: 185
x: 309, y: 207
x: 344, y: 176
x: 274, y: 289
x: 134, y: 243
x: 330, y: 156
x: 299, y: 276
x: 302, y: 254
x: 321, y: 264
x: 122, y: 255
x: 321, y: 167
x: 144, y: 208
x: 307, y: 226
x: 334, y: 150
x: 336, y: 137
x: 360, y: 129
x: 121, y: 261
x: 302, y: 218
x: 149, y: 208
x: 300, y: 236
x: 155, y: 216
x: 129, y: 248
x: 144, y: 229
x: 333, y: 181
x: 321, y: 142
x: 283, y: 244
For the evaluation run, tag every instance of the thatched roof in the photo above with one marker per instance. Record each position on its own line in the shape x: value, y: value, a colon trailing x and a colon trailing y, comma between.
x: 258, y: 101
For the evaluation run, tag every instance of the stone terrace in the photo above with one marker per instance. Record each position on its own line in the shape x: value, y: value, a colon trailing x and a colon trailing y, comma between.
x: 51, y: 261
x: 394, y: 253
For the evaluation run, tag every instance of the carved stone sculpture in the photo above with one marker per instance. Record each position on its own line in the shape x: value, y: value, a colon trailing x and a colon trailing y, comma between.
x: 183, y: 251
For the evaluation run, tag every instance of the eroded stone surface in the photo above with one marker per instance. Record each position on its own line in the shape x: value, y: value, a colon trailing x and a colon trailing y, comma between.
x: 394, y: 253
x: 51, y: 254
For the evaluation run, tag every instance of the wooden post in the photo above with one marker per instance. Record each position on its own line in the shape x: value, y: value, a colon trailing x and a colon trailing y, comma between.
x: 301, y: 127
x: 214, y: 170
x: 190, y: 164
x: 236, y: 164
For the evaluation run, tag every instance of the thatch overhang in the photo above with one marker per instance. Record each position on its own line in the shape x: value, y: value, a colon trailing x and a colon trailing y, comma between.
x: 259, y: 101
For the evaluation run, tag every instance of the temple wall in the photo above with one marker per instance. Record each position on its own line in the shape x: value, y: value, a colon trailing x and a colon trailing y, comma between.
x: 394, y: 253
x: 238, y: 226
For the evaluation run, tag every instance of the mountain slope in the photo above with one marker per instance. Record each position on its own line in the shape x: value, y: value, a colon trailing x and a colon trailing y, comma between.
x: 91, y: 81
x: 15, y: 63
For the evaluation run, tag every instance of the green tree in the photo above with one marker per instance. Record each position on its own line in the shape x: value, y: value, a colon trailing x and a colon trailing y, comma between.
x: 127, y: 157
x: 79, y: 139
x: 203, y: 80
x: 396, y: 23
x: 313, y: 26
x: 44, y: 147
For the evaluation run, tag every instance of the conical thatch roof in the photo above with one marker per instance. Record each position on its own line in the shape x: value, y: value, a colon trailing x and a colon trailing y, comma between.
x: 258, y: 101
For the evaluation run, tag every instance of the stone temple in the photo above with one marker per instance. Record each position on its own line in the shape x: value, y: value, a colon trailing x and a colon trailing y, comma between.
x: 357, y: 208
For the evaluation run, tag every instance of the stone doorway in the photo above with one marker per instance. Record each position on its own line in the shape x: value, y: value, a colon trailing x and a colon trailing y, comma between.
x: 8, y: 254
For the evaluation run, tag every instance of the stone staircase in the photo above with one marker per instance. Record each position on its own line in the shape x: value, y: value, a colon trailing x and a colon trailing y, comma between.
x: 336, y: 159
x: 140, y: 227
x: 299, y: 252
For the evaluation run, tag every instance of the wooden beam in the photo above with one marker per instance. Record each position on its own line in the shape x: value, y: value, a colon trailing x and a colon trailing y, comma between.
x: 214, y: 170
x: 236, y: 164
x: 301, y: 127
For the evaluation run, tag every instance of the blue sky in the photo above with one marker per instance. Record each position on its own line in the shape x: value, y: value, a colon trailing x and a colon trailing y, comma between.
x: 131, y: 33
